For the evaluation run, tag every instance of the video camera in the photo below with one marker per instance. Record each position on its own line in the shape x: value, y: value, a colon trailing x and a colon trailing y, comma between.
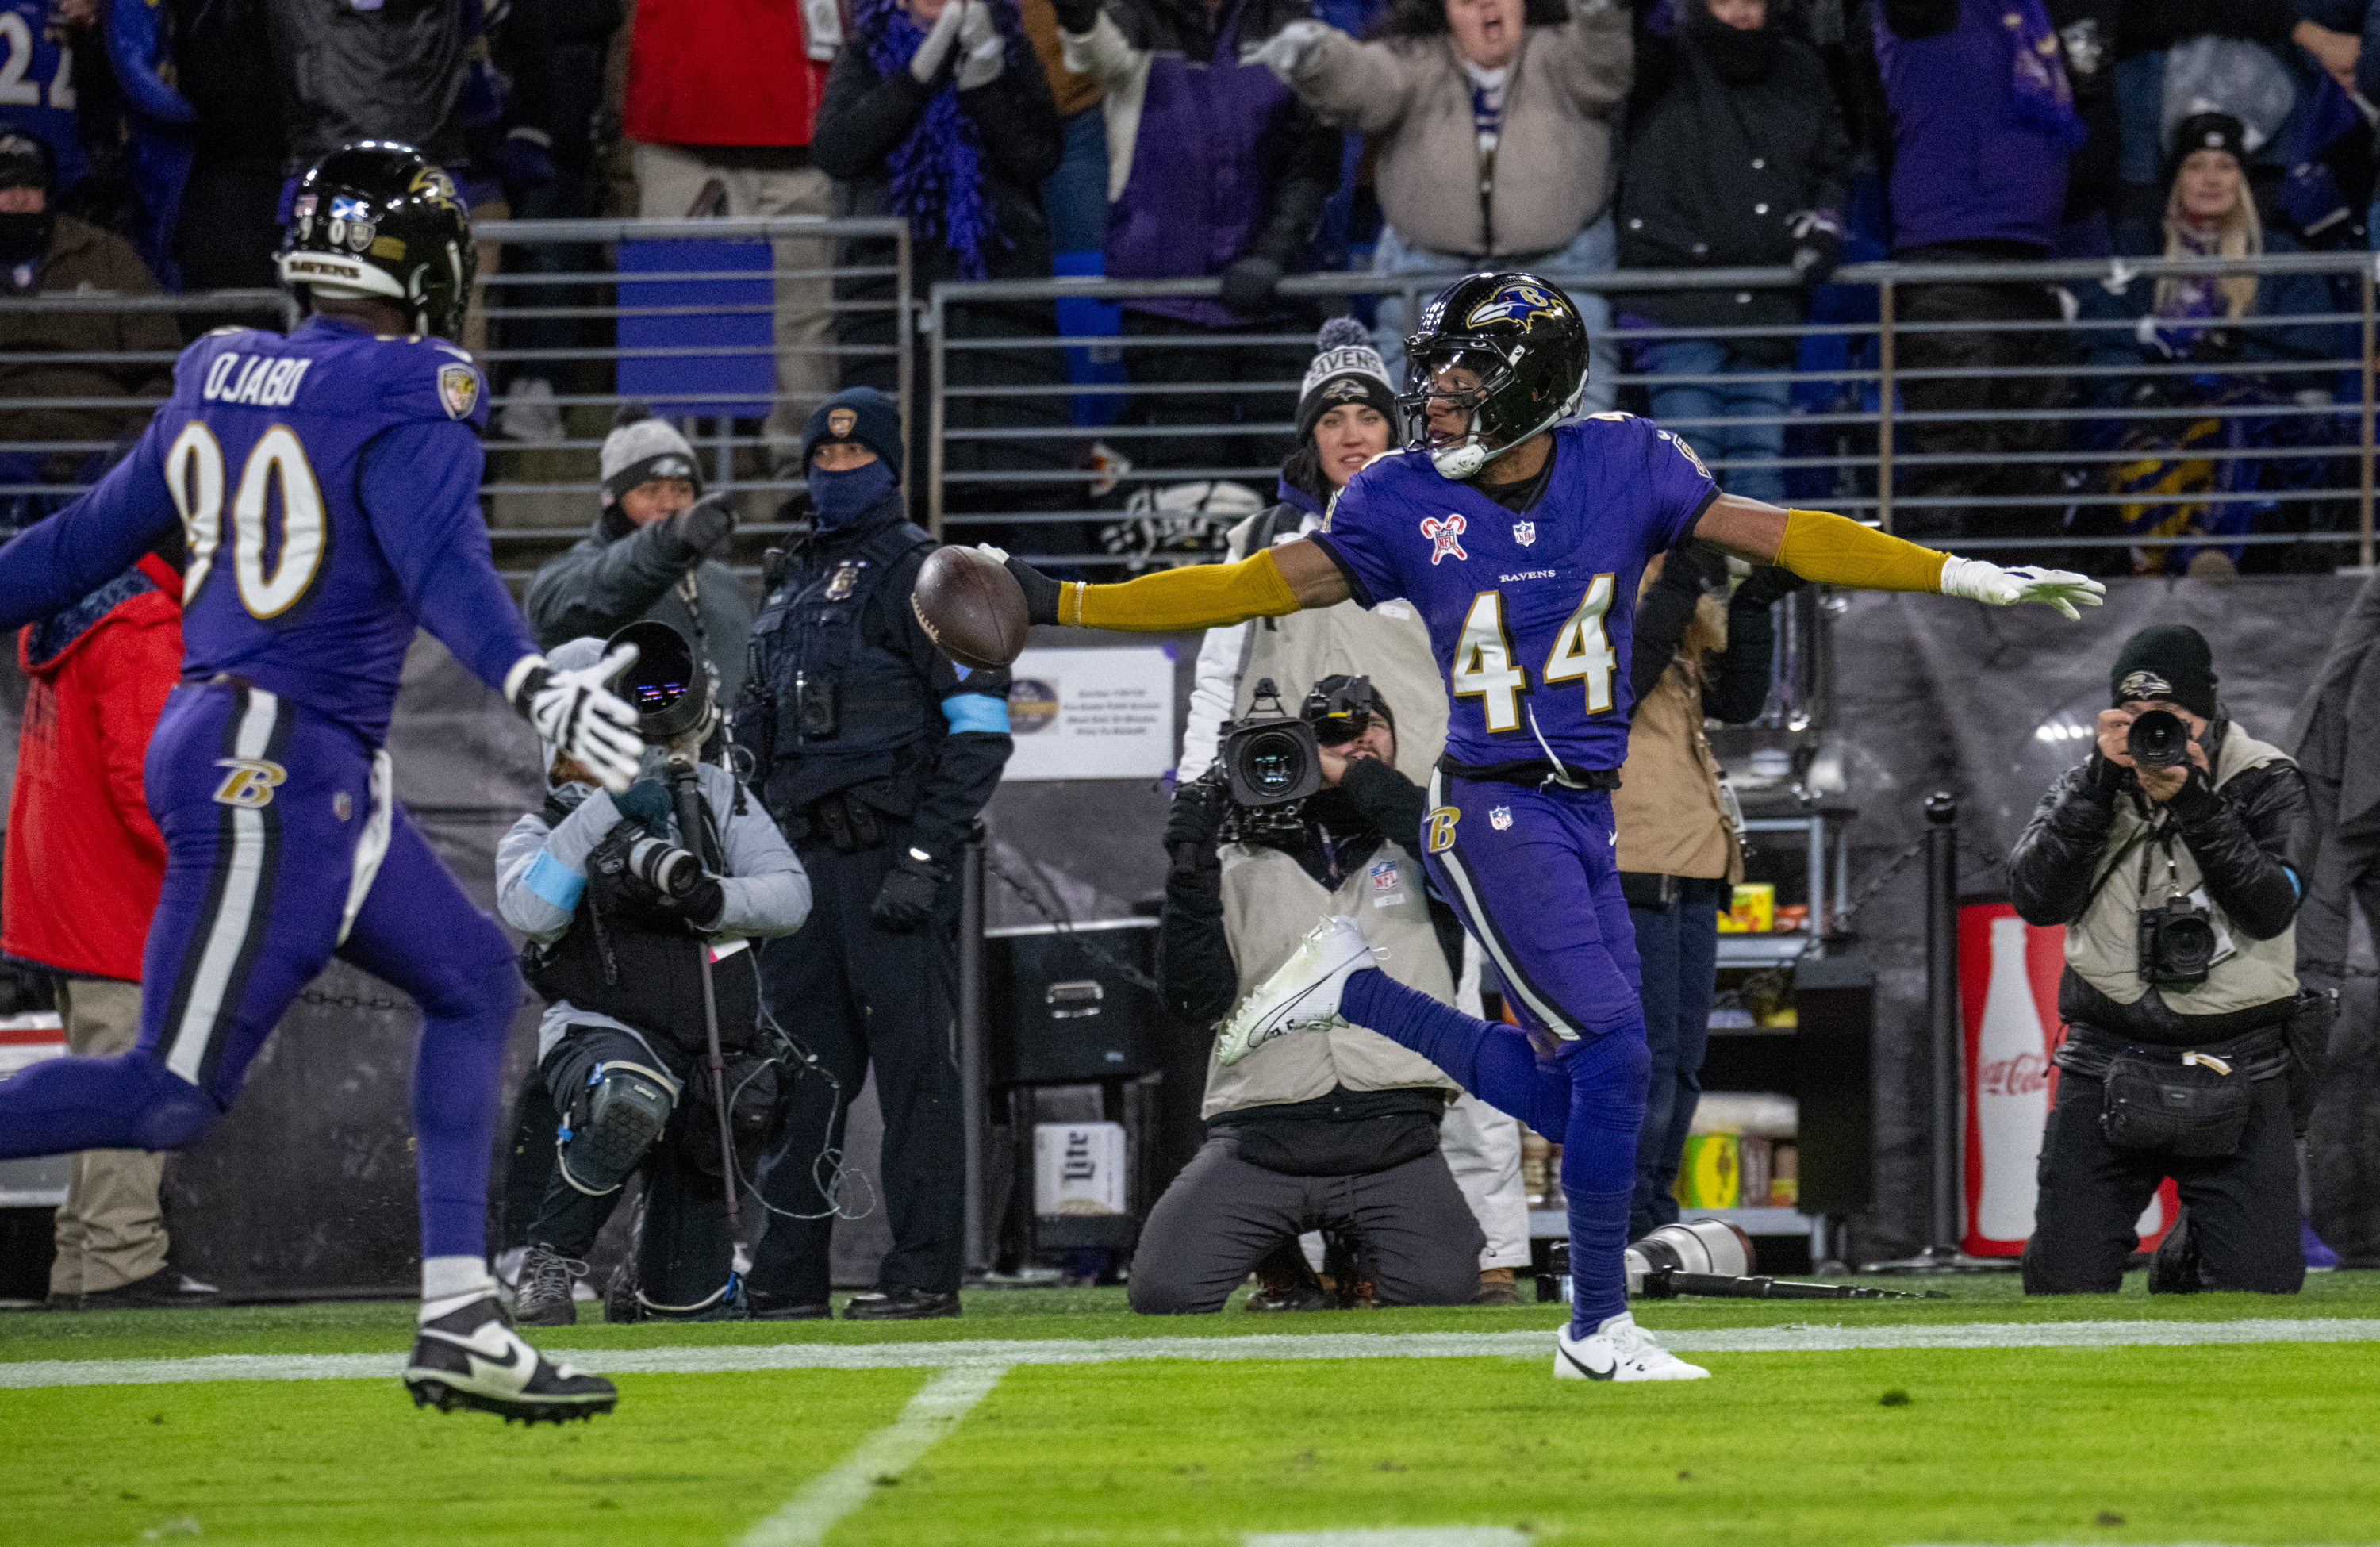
x: 1269, y: 764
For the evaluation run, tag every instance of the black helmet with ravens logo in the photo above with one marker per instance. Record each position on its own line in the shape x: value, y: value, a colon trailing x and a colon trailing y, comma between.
x: 378, y: 220
x: 1508, y: 352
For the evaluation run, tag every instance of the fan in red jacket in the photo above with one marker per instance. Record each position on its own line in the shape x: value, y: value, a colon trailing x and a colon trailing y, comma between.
x: 721, y: 98
x: 83, y: 865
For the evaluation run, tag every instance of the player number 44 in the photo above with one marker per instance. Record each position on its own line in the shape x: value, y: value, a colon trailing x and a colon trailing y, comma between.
x: 1484, y: 667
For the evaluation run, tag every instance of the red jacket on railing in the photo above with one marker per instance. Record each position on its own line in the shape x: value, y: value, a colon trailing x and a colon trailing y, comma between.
x: 721, y: 72
x: 84, y: 861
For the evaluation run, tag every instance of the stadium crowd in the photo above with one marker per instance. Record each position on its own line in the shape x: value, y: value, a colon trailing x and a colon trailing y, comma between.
x: 1244, y: 141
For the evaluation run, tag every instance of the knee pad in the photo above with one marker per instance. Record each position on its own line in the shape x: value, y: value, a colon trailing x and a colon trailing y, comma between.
x: 613, y: 1121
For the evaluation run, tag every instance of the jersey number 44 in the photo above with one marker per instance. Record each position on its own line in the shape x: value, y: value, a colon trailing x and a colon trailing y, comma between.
x: 1488, y: 669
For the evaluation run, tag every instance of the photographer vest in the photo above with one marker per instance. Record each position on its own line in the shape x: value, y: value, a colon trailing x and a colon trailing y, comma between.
x: 1390, y: 644
x: 1667, y: 810
x: 842, y: 704
x: 2102, y: 946
x: 1268, y: 903
x: 644, y: 968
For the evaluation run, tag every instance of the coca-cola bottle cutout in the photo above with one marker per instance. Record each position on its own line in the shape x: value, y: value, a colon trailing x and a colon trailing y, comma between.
x: 2011, y: 1091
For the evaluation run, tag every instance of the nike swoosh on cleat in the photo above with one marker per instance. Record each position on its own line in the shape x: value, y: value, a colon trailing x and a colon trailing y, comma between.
x: 510, y: 1361
x: 1585, y: 1369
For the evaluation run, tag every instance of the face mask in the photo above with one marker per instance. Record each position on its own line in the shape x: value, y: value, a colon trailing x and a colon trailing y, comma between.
x: 837, y: 499
x: 24, y: 238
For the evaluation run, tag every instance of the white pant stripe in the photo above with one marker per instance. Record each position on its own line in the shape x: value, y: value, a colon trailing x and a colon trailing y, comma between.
x: 227, y: 933
x: 1483, y: 930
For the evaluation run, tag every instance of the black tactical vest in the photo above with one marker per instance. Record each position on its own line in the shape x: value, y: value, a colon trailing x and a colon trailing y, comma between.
x: 840, y: 703
x: 644, y: 968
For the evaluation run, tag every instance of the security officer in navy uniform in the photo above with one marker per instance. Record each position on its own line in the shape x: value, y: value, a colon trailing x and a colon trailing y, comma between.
x: 874, y: 753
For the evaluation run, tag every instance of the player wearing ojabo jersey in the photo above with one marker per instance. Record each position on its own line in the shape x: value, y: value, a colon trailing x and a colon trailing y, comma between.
x: 327, y: 487
x: 1521, y: 538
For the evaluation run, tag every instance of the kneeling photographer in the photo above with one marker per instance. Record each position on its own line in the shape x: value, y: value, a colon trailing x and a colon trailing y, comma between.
x: 1337, y: 1132
x: 2172, y: 857
x: 623, y: 909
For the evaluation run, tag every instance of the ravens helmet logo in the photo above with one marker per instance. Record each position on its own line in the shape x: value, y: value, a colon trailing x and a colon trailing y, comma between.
x: 433, y: 183
x: 1515, y: 303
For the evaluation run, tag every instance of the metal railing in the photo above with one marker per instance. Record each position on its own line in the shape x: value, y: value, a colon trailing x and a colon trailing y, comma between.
x: 1868, y: 443
x: 1059, y: 428
x: 602, y: 313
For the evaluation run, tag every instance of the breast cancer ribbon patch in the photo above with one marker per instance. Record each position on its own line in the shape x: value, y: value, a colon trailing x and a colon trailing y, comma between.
x: 1446, y: 538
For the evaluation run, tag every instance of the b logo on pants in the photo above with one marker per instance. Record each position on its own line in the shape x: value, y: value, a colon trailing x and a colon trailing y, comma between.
x: 250, y: 781
x: 1439, y: 827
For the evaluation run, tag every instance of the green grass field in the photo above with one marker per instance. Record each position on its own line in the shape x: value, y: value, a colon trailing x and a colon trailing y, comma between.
x: 994, y: 1440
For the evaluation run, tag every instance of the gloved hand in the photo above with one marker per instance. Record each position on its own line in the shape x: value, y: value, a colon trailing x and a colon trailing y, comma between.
x: 525, y: 161
x: 1248, y: 286
x: 1041, y: 593
x: 1817, y: 245
x: 926, y: 68
x: 1287, y: 51
x: 646, y: 803
x: 1197, y: 817
x: 1688, y: 567
x: 1766, y: 584
x: 981, y: 48
x: 1077, y: 16
x: 1995, y: 587
x: 578, y: 712
x: 704, y: 526
x: 906, y: 899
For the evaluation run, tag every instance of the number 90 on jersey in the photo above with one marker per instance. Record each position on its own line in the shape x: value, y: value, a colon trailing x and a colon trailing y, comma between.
x: 1486, y: 667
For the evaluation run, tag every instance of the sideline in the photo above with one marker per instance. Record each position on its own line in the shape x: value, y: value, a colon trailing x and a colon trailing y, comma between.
x: 805, y: 1519
x: 740, y: 1359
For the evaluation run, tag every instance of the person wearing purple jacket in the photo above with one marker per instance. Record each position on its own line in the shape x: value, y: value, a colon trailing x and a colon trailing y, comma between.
x: 1982, y: 122
x: 1214, y: 170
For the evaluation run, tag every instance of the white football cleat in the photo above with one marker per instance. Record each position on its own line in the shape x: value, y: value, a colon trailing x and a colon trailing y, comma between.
x: 471, y: 1357
x: 1619, y: 1350
x: 1301, y: 994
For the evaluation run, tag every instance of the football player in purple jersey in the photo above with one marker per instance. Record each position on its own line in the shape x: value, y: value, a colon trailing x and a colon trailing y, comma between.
x: 1519, y: 532
x: 327, y: 487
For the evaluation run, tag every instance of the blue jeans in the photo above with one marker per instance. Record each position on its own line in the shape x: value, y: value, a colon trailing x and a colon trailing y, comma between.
x: 1593, y: 251
x: 1679, y: 948
x: 1748, y: 413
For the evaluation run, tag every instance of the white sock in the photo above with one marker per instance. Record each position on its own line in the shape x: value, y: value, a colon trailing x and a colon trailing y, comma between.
x: 448, y: 1284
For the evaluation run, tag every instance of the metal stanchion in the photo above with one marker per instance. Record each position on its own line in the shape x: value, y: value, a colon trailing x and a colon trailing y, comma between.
x: 1941, y: 1254
x: 972, y: 1091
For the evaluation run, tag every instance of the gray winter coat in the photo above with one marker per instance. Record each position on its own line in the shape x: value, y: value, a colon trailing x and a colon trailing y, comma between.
x: 619, y: 573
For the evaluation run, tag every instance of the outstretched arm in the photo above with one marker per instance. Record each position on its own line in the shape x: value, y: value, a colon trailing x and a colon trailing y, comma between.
x: 1830, y: 549
x: 1287, y: 578
x: 91, y: 541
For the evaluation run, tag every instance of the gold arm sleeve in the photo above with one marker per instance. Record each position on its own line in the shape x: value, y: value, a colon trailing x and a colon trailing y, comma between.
x: 1194, y: 596
x: 1842, y: 553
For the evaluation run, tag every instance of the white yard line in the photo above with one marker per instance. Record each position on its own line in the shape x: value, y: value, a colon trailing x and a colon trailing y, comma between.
x: 738, y: 1358
x: 806, y: 1516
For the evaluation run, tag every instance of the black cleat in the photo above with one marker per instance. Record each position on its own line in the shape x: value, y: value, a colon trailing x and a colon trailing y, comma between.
x: 901, y: 1305
x: 472, y: 1357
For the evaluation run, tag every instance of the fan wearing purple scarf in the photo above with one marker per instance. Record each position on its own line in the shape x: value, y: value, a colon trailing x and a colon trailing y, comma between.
x: 938, y: 112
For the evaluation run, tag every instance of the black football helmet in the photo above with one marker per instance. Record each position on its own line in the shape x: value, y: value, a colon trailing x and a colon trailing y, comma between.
x: 1526, y: 343
x: 379, y: 219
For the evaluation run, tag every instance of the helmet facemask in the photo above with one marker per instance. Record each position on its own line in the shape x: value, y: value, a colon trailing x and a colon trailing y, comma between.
x: 1497, y: 416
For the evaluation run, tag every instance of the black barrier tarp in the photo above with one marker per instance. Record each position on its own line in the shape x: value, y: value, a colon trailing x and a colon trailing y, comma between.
x: 307, y: 1185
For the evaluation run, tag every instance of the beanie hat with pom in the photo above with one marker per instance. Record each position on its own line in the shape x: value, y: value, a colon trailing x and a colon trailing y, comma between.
x: 1346, y: 369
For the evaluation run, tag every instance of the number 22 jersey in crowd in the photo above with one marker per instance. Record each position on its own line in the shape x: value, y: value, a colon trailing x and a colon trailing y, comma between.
x: 1529, y: 611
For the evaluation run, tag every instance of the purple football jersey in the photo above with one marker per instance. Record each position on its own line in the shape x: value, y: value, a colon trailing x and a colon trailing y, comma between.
x: 1530, y: 613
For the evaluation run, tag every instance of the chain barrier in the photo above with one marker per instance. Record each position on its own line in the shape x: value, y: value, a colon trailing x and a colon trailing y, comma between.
x: 1065, y: 924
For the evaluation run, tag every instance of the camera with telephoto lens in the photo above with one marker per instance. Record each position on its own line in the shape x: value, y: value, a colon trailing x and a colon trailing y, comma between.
x: 2177, y: 943
x: 668, y: 687
x: 653, y: 866
x: 2158, y: 739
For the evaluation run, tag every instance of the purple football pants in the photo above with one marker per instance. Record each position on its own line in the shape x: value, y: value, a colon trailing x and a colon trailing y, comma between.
x: 269, y: 819
x: 1532, y: 873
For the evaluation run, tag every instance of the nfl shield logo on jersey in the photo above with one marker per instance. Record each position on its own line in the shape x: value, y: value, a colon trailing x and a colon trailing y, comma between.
x: 1501, y: 818
x: 458, y: 388
x: 1525, y: 532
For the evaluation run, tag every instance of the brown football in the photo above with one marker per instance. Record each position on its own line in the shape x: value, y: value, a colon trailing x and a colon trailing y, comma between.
x: 970, y: 606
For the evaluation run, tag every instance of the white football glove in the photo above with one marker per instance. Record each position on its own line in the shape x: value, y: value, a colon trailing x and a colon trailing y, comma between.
x: 1979, y: 580
x: 1286, y: 51
x: 577, y: 712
